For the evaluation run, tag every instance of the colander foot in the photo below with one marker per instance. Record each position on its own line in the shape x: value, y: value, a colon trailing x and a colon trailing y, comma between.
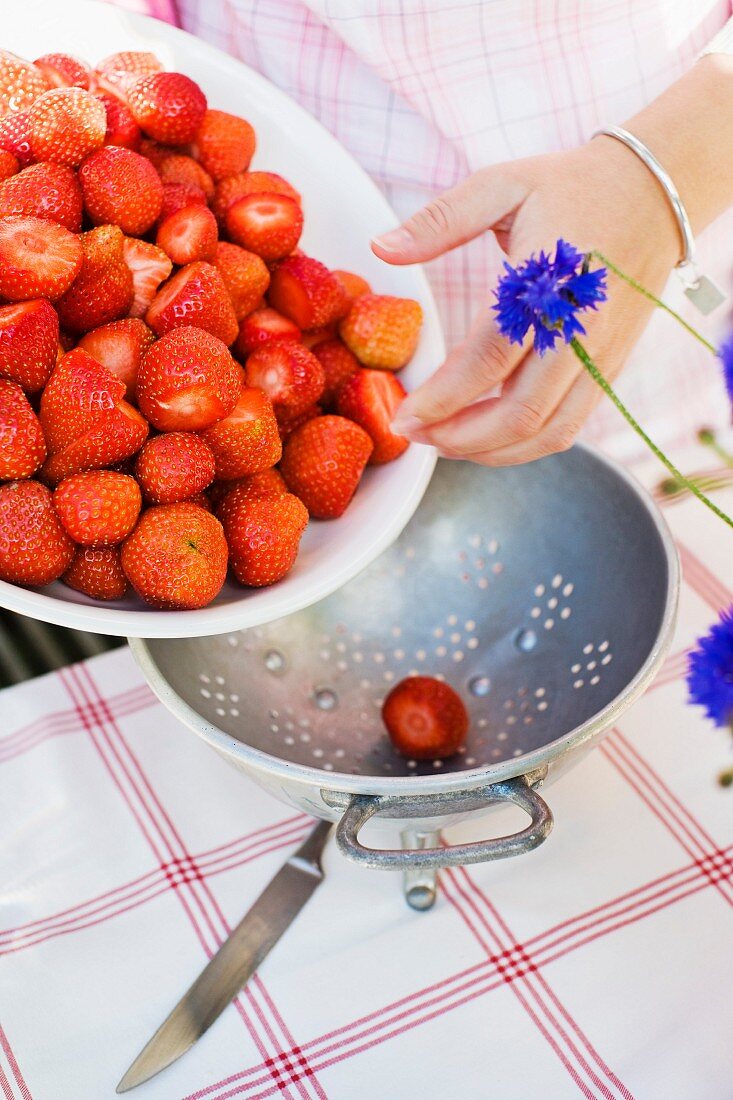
x: 421, y: 884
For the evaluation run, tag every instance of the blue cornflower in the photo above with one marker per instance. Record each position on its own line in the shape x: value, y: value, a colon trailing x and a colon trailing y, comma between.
x: 710, y: 671
x: 547, y: 294
x: 725, y: 352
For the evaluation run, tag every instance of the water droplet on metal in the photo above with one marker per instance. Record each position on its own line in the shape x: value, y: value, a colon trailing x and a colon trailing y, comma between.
x: 325, y: 699
x: 479, y: 685
x: 274, y: 661
x: 525, y: 641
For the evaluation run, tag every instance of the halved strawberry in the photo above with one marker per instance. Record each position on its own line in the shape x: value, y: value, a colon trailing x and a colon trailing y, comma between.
x: 307, y: 292
x: 9, y: 164
x: 167, y: 106
x: 120, y: 346
x: 34, y: 548
x: 97, y: 572
x: 187, y: 381
x: 61, y: 70
x: 196, y: 295
x: 261, y: 327
x: 22, y: 446
x: 382, y: 331
x: 98, y: 506
x: 178, y: 195
x: 118, y: 71
x: 149, y: 266
x: 263, y: 534
x: 425, y: 718
x: 245, y: 276
x: 189, y: 234
x: 102, y: 291
x: 176, y: 557
x: 66, y: 124
x: 288, y: 373
x: 178, y: 168
x: 20, y: 83
x: 117, y: 435
x: 354, y: 285
x: 29, y: 334
x: 173, y: 467
x: 15, y: 137
x: 323, y: 462
x: 78, y: 393
x: 267, y: 224
x: 224, y: 144
x: 47, y: 190
x: 247, y: 440
x: 121, y: 129
x: 371, y: 398
x: 38, y: 259
x: 338, y: 364
x: 231, y: 188
x: 121, y: 187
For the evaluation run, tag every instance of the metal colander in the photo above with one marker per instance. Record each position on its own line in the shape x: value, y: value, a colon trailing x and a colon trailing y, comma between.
x: 544, y: 594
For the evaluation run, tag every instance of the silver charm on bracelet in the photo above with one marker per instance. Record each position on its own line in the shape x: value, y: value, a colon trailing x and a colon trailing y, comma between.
x: 704, y: 294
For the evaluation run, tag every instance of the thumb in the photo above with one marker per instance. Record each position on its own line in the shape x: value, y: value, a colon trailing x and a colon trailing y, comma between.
x: 453, y: 218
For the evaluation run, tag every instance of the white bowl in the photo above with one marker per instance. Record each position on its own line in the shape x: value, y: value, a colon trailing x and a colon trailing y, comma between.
x: 344, y: 209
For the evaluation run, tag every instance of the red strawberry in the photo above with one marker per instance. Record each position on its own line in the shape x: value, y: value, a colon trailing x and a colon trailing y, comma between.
x: 38, y: 259
x: 34, y: 548
x: 267, y: 224
x: 29, y: 333
x: 176, y: 557
x: 156, y: 152
x: 323, y: 462
x: 9, y: 165
x: 189, y: 234
x: 382, y: 331
x: 231, y: 188
x: 354, y: 285
x: 247, y: 441
x: 263, y: 534
x: 316, y: 336
x: 118, y: 71
x: 20, y: 83
x: 268, y: 483
x: 46, y: 190
x: 167, y: 106
x: 177, y: 168
x: 150, y: 266
x: 97, y: 572
x: 102, y: 291
x: 120, y: 346
x: 245, y: 276
x: 22, y: 446
x: 288, y: 422
x: 307, y: 292
x: 116, y: 436
x: 261, y: 327
x: 288, y: 373
x: 338, y: 364
x: 77, y: 395
x: 224, y: 144
x: 201, y: 501
x: 196, y: 295
x: 425, y: 718
x: 121, y: 126
x: 178, y: 195
x: 98, y: 506
x: 121, y: 187
x: 174, y: 467
x: 371, y: 398
x: 66, y: 124
x: 15, y: 137
x: 61, y: 70
x: 187, y: 381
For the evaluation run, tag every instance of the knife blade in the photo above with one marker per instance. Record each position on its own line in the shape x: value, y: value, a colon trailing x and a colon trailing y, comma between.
x: 236, y: 960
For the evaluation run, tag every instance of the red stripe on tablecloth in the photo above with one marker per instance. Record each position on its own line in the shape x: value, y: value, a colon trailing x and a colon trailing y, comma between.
x: 702, y: 580
x: 14, y: 1069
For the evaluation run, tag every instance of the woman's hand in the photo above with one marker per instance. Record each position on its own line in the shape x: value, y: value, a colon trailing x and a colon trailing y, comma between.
x: 597, y: 197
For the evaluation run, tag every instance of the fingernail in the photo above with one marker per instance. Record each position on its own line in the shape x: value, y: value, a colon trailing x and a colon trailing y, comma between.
x: 405, y: 424
x: 397, y: 240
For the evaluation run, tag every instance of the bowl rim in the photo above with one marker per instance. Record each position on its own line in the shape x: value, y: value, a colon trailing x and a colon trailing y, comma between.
x: 240, y: 612
x: 258, y: 761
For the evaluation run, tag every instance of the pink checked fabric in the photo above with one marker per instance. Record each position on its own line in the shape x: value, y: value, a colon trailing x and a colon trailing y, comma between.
x: 597, y: 966
x: 423, y: 92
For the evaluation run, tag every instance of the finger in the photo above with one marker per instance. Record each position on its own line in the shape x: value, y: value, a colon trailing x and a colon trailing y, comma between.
x: 536, y: 389
x: 471, y: 370
x: 452, y: 218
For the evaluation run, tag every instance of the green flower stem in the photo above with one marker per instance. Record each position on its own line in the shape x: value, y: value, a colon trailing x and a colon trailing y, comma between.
x: 597, y: 377
x: 707, y: 437
x: 657, y: 301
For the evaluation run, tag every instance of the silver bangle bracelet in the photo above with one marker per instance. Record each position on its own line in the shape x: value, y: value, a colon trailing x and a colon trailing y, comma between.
x: 701, y: 291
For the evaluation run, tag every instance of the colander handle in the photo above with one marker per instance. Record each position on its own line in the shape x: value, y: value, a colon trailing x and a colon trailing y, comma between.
x: 362, y: 807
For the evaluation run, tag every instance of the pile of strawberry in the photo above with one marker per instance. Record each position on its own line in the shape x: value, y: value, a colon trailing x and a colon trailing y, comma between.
x: 180, y: 386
